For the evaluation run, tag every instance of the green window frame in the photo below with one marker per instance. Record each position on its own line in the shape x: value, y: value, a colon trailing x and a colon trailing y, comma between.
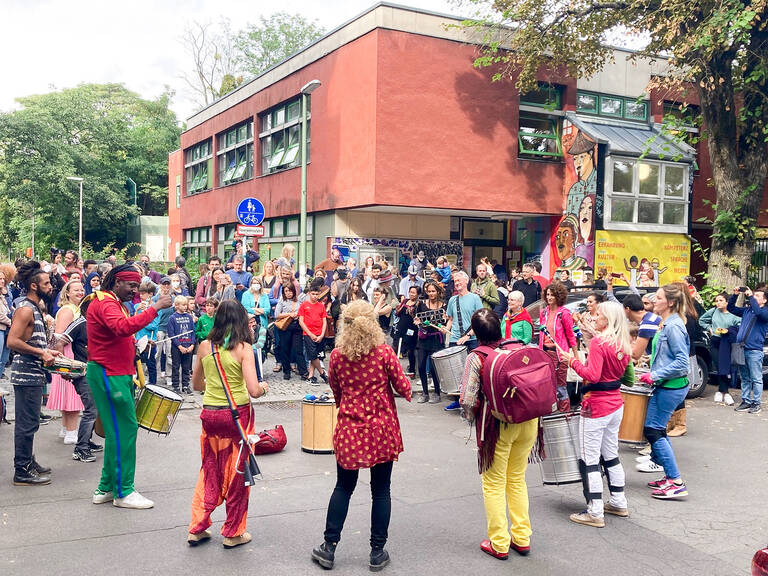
x: 586, y: 102
x: 538, y: 136
x: 235, y: 153
x: 280, y: 139
x: 545, y: 96
x: 605, y: 100
x: 635, y: 109
x: 198, y: 167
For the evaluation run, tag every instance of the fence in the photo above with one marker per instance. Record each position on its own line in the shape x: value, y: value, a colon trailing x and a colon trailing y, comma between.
x: 760, y: 260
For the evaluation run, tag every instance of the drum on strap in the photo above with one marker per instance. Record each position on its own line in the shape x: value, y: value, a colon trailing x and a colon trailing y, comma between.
x: 449, y: 365
x: 635, y: 408
x: 561, y: 445
x: 318, y: 421
x: 157, y: 408
x: 67, y: 367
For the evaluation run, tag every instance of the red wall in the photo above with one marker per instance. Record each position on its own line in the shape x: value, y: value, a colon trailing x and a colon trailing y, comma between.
x: 447, y: 136
x: 175, y: 168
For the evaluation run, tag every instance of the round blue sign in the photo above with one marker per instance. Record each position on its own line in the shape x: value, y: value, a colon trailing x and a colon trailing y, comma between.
x: 250, y: 212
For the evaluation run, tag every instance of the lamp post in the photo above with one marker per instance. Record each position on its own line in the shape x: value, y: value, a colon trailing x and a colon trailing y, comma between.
x: 80, y: 224
x: 306, y: 90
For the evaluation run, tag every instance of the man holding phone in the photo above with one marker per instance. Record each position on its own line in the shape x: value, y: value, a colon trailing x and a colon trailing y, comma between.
x: 754, y: 325
x: 240, y: 277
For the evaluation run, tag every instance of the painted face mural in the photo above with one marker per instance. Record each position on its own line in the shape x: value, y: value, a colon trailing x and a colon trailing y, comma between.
x: 586, y: 219
x: 565, y: 240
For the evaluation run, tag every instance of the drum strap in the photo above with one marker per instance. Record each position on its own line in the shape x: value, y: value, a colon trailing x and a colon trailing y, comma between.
x: 601, y: 386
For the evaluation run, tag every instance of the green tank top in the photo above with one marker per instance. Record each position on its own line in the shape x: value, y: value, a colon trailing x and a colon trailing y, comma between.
x: 214, y: 389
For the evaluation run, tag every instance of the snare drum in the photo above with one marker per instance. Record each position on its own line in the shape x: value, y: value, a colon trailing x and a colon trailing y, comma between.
x: 449, y: 366
x: 635, y: 407
x: 157, y: 408
x: 318, y: 421
x: 561, y: 446
x: 67, y: 367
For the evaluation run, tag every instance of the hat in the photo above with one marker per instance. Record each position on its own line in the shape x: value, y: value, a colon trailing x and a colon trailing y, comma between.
x: 387, y: 277
x: 581, y: 144
x: 165, y: 280
x: 651, y: 296
x: 412, y: 270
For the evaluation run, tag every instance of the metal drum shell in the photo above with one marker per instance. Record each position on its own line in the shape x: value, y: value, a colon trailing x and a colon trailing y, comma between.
x: 157, y: 408
x: 635, y: 408
x: 562, y: 448
x: 449, y: 365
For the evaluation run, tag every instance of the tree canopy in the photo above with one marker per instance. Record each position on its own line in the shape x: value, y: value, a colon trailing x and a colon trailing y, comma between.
x: 717, y: 49
x: 102, y: 133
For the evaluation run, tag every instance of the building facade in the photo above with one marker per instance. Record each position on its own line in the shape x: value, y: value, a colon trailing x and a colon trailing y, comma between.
x: 412, y: 148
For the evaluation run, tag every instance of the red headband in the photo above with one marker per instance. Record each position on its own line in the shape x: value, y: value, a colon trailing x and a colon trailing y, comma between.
x: 128, y: 276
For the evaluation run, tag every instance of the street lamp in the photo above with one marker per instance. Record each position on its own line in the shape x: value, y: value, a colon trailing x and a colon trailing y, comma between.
x: 306, y: 90
x: 80, y: 225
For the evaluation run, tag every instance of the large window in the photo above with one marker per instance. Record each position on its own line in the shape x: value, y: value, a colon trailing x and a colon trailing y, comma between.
x: 235, y: 154
x: 544, y: 96
x: 280, y: 137
x: 612, y: 106
x: 538, y: 137
x: 646, y: 194
x: 198, y: 167
x: 197, y: 243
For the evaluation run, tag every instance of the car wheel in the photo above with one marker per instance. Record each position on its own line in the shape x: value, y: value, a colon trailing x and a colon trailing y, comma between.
x: 703, y: 378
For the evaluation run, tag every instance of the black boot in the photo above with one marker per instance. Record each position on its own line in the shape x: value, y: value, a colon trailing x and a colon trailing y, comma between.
x: 39, y: 468
x: 28, y: 476
x: 379, y: 559
x: 324, y: 554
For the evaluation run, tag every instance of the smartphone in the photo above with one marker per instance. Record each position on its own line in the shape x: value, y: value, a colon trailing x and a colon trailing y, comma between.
x: 742, y: 289
x: 615, y: 275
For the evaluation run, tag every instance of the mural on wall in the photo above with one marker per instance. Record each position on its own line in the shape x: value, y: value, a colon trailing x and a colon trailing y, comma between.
x: 573, y: 240
x: 406, y: 249
x: 644, y: 259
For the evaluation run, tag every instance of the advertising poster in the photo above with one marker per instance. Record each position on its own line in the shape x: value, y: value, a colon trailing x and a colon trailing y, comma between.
x: 643, y: 259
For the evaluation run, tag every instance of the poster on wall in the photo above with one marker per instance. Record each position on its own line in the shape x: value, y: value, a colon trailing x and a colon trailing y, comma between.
x: 643, y: 259
x: 573, y: 240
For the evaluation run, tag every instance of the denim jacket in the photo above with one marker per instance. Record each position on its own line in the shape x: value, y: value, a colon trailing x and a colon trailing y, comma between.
x: 671, y: 360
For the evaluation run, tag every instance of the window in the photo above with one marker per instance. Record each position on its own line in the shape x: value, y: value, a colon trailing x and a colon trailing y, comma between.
x: 293, y: 227
x: 224, y: 237
x: 280, y: 138
x: 647, y: 193
x: 235, y: 154
x: 278, y: 227
x: 546, y: 96
x: 198, y: 167
x: 178, y: 195
x: 197, y: 243
x: 613, y: 106
x: 538, y: 137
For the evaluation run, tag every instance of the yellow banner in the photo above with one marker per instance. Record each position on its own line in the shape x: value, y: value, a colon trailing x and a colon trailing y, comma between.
x: 642, y: 258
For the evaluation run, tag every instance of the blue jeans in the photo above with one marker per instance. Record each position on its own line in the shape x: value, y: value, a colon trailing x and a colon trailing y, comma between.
x: 752, y: 377
x: 662, y: 404
x: 4, y: 350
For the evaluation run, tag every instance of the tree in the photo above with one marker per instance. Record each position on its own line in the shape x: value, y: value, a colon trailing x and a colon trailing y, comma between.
x: 102, y: 133
x: 719, y: 49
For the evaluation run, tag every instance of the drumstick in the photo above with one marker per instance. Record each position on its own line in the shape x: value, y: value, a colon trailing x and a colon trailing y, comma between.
x: 546, y: 332
x: 172, y: 337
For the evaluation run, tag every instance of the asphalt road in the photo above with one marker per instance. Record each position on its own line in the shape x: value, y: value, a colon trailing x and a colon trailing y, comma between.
x: 437, y: 516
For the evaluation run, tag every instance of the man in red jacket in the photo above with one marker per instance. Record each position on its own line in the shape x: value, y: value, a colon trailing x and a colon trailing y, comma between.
x: 111, y: 354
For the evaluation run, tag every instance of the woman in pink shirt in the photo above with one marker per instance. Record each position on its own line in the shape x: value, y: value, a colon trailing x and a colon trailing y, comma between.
x: 602, y: 409
x: 558, y: 336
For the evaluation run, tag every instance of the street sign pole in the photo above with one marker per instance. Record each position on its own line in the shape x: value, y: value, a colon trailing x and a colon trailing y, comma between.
x: 303, y: 213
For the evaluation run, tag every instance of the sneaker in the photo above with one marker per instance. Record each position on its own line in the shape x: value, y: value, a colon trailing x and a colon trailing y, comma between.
x: 728, y: 399
x: 83, y: 456
x: 718, y: 397
x: 93, y: 447
x: 645, y: 451
x: 379, y: 559
x: 755, y: 409
x: 63, y: 432
x: 648, y: 466
x: 587, y: 519
x: 286, y: 375
x: 235, y: 541
x: 28, y: 476
x: 44, y: 419
x: 71, y: 437
x: 435, y: 399
x: 101, y: 497
x: 453, y: 407
x: 615, y: 510
x: 658, y: 483
x: 324, y: 376
x: 670, y: 491
x: 487, y: 547
x: 423, y: 399
x: 411, y: 375
x: 314, y: 381
x: 324, y: 555
x: 640, y: 459
x: 522, y: 550
x: 743, y: 407
x: 187, y: 390
x: 199, y: 538
x: 134, y: 500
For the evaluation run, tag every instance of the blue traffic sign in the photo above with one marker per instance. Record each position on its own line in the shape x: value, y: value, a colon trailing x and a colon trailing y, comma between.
x: 250, y: 212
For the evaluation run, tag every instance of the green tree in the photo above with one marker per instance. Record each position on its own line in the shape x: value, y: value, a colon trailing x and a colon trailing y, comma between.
x: 102, y: 133
x: 717, y: 48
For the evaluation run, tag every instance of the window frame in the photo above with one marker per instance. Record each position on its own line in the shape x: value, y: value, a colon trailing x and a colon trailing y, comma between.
x: 549, y: 88
x: 599, y: 97
x: 232, y: 142
x: 276, y: 159
x: 198, y: 167
x: 555, y: 135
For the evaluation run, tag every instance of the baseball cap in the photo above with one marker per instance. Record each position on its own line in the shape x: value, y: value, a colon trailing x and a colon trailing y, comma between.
x: 165, y: 280
x: 412, y: 270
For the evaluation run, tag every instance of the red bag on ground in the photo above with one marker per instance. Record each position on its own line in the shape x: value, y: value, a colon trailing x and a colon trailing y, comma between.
x: 519, y: 382
x: 270, y: 441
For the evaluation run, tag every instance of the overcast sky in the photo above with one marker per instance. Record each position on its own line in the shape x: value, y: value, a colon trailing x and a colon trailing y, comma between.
x: 47, y: 44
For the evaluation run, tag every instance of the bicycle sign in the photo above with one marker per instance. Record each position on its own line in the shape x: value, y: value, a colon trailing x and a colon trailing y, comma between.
x: 250, y: 212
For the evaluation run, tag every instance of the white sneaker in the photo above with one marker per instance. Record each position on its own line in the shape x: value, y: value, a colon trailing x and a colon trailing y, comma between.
x: 70, y: 437
x: 718, y: 397
x: 648, y: 466
x: 62, y: 432
x: 728, y: 399
x: 133, y: 500
x: 640, y: 459
x: 100, y: 497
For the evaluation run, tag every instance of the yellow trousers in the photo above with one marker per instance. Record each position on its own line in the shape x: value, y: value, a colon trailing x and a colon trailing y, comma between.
x: 504, y: 486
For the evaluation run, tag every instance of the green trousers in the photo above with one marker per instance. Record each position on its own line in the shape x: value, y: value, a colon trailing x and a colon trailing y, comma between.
x: 114, y: 399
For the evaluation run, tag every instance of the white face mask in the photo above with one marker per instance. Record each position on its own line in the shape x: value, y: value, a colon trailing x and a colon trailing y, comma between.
x: 175, y: 284
x: 255, y: 287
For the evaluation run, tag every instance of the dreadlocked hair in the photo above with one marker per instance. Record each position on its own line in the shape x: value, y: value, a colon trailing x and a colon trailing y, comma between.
x: 29, y: 273
x: 108, y: 283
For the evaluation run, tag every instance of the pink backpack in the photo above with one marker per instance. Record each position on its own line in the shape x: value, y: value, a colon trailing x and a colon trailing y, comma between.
x: 519, y: 382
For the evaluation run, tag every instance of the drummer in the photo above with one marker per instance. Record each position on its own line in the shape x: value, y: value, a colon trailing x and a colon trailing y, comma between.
x: 111, y: 354
x: 602, y: 409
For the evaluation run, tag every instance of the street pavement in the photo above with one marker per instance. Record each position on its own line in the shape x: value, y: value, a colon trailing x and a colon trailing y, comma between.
x: 437, y: 511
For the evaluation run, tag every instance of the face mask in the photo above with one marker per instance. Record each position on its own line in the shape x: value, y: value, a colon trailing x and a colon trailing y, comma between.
x: 255, y: 287
x: 175, y: 284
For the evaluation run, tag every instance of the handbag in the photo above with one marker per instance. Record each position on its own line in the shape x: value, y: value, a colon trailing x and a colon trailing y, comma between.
x: 283, y: 323
x: 737, y: 348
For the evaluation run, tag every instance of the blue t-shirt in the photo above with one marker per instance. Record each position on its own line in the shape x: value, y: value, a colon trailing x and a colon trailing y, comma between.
x: 649, y: 325
x: 468, y: 305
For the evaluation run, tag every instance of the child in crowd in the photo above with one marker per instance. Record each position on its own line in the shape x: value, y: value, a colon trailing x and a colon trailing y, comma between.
x: 146, y: 293
x: 205, y: 322
x: 181, y: 327
x: 312, y: 321
x: 163, y: 352
x: 192, y: 307
x: 259, y: 336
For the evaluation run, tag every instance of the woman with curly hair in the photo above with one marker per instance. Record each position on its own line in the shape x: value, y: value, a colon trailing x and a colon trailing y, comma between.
x: 557, y: 331
x: 7, y: 275
x: 363, y: 370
